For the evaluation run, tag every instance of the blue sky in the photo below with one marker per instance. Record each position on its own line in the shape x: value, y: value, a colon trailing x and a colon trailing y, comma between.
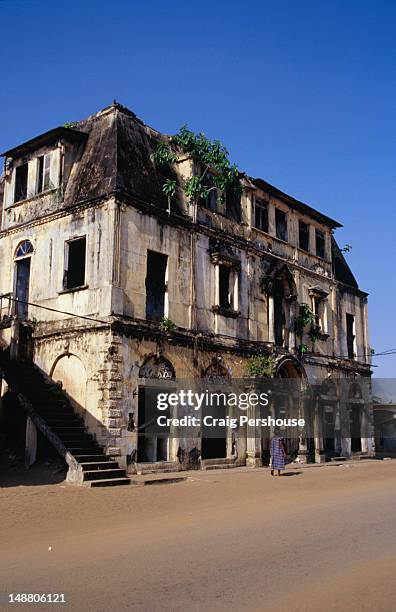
x: 302, y: 94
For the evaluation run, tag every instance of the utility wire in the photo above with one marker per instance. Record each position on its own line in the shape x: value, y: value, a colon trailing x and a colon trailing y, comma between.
x: 87, y: 318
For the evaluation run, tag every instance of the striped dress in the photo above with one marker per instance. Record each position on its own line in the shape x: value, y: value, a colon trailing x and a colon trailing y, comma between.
x: 277, y: 454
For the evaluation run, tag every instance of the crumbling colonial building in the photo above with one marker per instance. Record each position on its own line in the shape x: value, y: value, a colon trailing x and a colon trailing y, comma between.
x: 106, y: 284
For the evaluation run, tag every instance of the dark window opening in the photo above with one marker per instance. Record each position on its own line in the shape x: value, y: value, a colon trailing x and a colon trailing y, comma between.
x: 21, y: 180
x: 281, y: 224
x: 320, y: 244
x: 350, y: 327
x: 22, y: 287
x: 224, y: 287
x: 303, y: 235
x: 75, y: 261
x: 233, y: 204
x: 155, y: 285
x: 261, y: 215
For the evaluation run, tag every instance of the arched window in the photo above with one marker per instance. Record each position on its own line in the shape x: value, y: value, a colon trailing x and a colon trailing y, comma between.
x: 157, y: 367
x: 23, y: 249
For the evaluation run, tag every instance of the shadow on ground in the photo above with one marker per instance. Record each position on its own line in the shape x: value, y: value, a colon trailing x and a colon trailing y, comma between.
x: 295, y: 473
x: 13, y: 472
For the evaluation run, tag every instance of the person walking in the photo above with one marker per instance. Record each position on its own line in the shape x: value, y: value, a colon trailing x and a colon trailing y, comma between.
x: 278, y: 454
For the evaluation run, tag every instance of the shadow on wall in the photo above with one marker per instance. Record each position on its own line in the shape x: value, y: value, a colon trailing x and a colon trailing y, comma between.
x: 47, y: 398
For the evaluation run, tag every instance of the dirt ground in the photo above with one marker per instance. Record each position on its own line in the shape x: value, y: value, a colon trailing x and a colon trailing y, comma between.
x: 315, y: 538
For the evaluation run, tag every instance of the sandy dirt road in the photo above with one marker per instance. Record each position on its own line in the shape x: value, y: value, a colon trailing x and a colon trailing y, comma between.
x: 318, y: 539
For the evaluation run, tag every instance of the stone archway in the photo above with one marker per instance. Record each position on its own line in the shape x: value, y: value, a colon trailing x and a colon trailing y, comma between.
x: 290, y: 401
x: 152, y: 446
x: 70, y: 371
x: 216, y: 375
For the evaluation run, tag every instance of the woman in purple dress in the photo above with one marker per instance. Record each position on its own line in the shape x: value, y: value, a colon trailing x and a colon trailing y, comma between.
x: 278, y: 454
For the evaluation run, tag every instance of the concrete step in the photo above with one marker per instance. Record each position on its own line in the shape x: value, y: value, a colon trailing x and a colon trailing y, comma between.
x: 220, y: 466
x: 153, y: 480
x: 75, y: 437
x: 72, y: 432
x: 65, y: 422
x: 220, y: 461
x: 156, y: 468
x: 103, y: 474
x: 110, y: 482
x: 88, y: 449
x: 88, y: 457
x: 90, y: 466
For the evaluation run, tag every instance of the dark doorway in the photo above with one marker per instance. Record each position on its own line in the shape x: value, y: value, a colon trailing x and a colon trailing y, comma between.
x: 356, y: 439
x: 214, y: 439
x: 152, y: 446
x: 22, y: 287
x: 329, y: 431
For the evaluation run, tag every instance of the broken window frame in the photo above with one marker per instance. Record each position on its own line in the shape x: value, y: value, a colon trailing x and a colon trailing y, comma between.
x: 260, y: 220
x: 21, y: 182
x: 303, y: 235
x: 317, y: 309
x: 281, y: 229
x: 68, y: 285
x: 227, y: 297
x: 320, y: 243
x: 210, y: 202
x: 43, y: 182
x: 156, y: 309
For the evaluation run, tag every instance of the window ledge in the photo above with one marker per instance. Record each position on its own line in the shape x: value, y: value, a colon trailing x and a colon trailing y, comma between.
x: 226, y: 312
x: 73, y: 289
x: 323, y: 336
x: 36, y: 196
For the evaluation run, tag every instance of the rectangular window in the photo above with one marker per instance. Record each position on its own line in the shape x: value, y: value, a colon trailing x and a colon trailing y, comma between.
x: 350, y: 334
x: 75, y: 256
x: 155, y: 285
x: 211, y: 199
x: 320, y: 244
x: 21, y: 180
x: 224, y: 287
x: 228, y: 288
x: 318, y: 311
x: 261, y: 215
x: 43, y: 173
x: 303, y: 235
x: 281, y: 224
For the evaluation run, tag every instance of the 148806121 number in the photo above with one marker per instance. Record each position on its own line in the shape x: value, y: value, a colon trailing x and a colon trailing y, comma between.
x: 36, y: 598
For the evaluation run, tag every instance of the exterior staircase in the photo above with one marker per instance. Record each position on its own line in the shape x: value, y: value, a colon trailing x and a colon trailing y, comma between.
x: 52, y: 413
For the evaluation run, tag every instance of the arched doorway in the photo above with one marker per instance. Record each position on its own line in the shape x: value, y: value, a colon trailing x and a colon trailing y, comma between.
x: 355, y: 402
x: 152, y: 446
x: 70, y: 371
x: 329, y: 419
x: 22, y: 258
x: 292, y: 400
x: 217, y: 376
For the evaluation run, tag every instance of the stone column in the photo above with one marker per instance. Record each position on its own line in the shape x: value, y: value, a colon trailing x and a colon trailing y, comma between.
x: 253, y: 446
x: 271, y: 337
x: 318, y: 433
x: 30, y: 443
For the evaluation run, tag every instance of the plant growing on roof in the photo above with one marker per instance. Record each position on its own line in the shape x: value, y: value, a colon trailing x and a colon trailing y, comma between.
x: 212, y: 157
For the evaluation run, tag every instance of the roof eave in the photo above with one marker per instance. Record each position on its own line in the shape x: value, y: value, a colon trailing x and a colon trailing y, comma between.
x: 52, y: 135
